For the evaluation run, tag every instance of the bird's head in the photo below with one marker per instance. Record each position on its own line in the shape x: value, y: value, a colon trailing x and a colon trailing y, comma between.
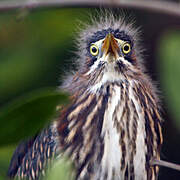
x: 108, y: 51
x: 111, y: 48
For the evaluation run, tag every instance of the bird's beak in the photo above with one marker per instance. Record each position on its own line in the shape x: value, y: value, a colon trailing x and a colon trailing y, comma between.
x: 110, y: 46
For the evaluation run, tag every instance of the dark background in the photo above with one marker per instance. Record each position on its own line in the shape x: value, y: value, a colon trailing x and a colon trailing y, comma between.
x: 36, y: 50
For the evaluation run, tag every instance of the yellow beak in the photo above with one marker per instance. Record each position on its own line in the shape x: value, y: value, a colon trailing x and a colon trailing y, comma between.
x: 110, y: 45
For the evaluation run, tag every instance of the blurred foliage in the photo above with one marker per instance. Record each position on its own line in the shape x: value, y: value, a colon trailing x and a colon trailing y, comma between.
x: 169, y: 53
x: 35, y: 51
x: 5, y: 157
x: 30, y: 49
x: 61, y: 169
x: 27, y: 115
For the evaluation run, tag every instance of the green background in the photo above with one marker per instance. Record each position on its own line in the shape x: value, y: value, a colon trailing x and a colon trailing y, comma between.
x: 36, y: 51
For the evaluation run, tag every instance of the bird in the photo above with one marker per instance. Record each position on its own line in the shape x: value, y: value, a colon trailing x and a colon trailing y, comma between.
x: 112, y: 128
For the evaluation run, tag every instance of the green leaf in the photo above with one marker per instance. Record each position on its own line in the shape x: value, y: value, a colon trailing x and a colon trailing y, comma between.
x: 169, y: 65
x: 61, y: 169
x: 5, y: 157
x: 28, y: 114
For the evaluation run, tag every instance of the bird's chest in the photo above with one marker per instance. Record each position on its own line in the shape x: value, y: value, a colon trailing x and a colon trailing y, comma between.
x: 110, y: 163
x: 122, y: 121
x: 107, y: 135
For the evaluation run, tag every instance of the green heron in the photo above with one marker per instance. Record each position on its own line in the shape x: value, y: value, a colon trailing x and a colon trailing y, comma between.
x: 112, y: 128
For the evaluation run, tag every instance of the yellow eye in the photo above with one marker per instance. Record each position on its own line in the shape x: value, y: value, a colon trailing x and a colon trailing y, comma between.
x: 126, y: 48
x: 94, y: 50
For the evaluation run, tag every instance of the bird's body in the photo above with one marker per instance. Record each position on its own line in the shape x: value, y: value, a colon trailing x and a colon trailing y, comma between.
x: 112, y: 128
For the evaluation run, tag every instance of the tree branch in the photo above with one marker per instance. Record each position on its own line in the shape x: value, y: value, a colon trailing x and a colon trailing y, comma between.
x: 165, y: 164
x: 170, y: 8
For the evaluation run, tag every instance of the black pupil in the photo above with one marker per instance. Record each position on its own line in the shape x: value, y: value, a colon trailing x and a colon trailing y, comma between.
x: 94, y: 50
x: 126, y: 48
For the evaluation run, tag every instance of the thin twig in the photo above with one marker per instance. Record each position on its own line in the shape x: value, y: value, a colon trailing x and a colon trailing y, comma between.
x: 171, y: 8
x: 165, y: 164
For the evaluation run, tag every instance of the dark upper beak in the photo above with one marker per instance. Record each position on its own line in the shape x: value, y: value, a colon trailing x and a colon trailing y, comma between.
x: 110, y: 45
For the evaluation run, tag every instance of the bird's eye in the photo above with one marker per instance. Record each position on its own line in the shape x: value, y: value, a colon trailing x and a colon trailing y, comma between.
x: 94, y: 50
x: 126, y: 48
